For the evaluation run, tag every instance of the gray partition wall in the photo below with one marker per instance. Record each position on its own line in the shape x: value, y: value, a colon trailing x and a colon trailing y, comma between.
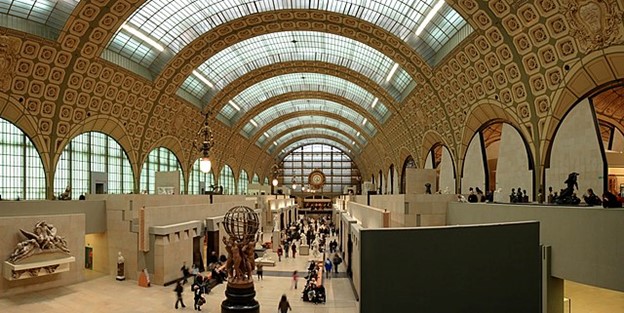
x: 474, y: 268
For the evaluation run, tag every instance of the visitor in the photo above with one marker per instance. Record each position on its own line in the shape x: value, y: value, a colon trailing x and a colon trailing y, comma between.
x: 185, y: 272
x: 328, y: 267
x: 294, y: 279
x: 199, y: 300
x: 259, y: 270
x: 609, y: 200
x: 294, y: 249
x: 178, y: 290
x: 336, y: 260
x: 82, y: 197
x: 472, y: 197
x: 286, y: 246
x: 283, y: 305
x: 591, y: 198
x: 279, y: 253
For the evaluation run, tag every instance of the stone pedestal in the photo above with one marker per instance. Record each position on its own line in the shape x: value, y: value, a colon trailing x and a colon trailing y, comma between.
x: 304, y: 250
x: 240, y: 298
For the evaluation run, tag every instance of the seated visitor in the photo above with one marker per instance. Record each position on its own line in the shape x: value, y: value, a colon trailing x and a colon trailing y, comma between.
x: 591, y: 198
x: 609, y: 200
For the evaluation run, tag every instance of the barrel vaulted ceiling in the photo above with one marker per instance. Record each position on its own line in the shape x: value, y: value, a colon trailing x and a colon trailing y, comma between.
x: 380, y: 80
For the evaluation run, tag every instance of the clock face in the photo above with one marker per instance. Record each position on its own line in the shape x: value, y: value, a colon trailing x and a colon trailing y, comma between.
x: 316, y: 179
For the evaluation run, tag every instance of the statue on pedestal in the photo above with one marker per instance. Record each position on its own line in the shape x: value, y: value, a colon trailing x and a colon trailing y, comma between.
x: 66, y: 195
x: 241, y: 224
x: 121, y: 275
x: 567, y: 196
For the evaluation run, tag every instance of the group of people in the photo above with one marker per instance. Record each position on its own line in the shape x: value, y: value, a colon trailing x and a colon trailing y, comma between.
x: 313, y: 291
x: 477, y: 195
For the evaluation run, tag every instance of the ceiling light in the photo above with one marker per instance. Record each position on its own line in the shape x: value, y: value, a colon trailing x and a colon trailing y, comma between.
x: 207, y: 142
x: 429, y: 17
x: 143, y: 37
x: 234, y: 105
x: 394, y: 68
x: 203, y: 79
x: 265, y: 134
x: 253, y: 123
x: 374, y: 103
x: 358, y: 134
x: 364, y: 122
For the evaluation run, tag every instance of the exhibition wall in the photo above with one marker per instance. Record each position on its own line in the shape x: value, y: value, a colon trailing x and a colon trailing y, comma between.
x: 473, y: 174
x: 473, y: 268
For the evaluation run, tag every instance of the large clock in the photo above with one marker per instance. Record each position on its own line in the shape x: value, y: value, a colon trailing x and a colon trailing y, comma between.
x: 316, y: 179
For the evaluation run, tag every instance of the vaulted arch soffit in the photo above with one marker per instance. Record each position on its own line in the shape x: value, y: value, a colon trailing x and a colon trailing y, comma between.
x: 430, y: 140
x: 329, y: 76
x: 306, y: 100
x: 294, y: 119
x: 340, y: 133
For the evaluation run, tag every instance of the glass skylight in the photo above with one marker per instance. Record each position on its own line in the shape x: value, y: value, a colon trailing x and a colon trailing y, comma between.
x: 313, y: 141
x: 311, y: 132
x: 311, y: 120
x: 248, y: 55
x: 49, y: 16
x: 314, y: 106
x: 175, y: 24
x: 295, y: 82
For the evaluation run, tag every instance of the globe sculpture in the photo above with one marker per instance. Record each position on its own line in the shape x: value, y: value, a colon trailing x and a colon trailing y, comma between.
x: 241, y: 224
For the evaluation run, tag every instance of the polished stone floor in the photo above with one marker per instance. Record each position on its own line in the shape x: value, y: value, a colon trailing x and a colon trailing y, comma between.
x: 101, y: 293
x: 104, y: 294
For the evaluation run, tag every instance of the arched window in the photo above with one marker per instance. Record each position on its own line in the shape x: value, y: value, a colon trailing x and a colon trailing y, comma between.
x: 255, y: 179
x: 21, y: 171
x: 93, y: 162
x: 226, y: 179
x: 200, y: 180
x: 338, y: 168
x: 159, y: 160
x: 243, y: 181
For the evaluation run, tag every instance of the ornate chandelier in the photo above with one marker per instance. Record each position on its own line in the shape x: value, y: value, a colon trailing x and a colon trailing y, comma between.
x: 204, y: 134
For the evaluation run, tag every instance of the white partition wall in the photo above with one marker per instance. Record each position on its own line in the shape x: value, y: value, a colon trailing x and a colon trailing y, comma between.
x: 473, y: 169
x: 447, y: 172
x: 576, y: 148
x: 429, y: 160
x: 512, y: 169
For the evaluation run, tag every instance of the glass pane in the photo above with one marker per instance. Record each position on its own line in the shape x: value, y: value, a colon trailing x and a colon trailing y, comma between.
x: 295, y: 82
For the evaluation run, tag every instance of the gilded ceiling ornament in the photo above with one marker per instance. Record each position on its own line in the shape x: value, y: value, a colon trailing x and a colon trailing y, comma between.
x: 595, y: 24
x: 9, y: 47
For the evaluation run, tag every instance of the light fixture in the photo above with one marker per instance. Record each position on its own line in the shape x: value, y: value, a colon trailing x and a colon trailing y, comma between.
x: 294, y: 183
x: 253, y: 123
x: 429, y: 17
x: 394, y: 68
x: 234, y: 105
x: 364, y: 122
x: 275, y: 169
x: 143, y: 37
x: 207, y: 138
x: 374, y: 103
x: 203, y: 79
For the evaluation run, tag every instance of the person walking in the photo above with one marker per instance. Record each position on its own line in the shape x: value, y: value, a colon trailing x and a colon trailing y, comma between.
x: 199, y: 301
x: 283, y: 305
x: 286, y: 246
x: 178, y: 290
x: 259, y: 270
x: 185, y: 272
x: 279, y: 253
x: 294, y: 249
x: 328, y: 268
x: 294, y: 279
